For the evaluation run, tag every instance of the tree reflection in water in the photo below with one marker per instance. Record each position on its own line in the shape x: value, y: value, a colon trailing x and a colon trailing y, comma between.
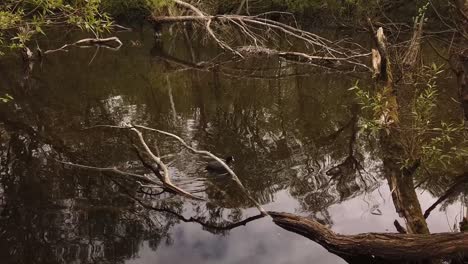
x: 288, y: 132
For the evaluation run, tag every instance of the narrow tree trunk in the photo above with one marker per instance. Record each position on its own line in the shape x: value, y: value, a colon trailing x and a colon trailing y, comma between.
x: 401, y: 184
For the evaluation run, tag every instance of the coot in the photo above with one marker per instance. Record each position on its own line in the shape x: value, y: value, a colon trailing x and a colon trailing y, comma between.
x: 215, y: 166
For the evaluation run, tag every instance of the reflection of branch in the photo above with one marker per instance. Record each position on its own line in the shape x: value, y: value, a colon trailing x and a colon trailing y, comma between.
x: 166, y: 179
x: 207, y: 153
x: 165, y: 176
x: 399, y: 227
x: 225, y: 226
x: 456, y: 187
x: 350, y: 164
x: 113, y: 170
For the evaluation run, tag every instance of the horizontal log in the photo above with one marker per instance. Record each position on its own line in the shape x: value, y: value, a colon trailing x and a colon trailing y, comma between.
x: 389, y: 246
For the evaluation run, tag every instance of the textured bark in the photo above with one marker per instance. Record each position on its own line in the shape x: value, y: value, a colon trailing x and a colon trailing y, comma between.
x: 404, y: 194
x: 401, y: 184
x: 376, y: 247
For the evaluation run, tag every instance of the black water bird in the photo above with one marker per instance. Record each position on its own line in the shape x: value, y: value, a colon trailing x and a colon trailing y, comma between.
x: 215, y: 166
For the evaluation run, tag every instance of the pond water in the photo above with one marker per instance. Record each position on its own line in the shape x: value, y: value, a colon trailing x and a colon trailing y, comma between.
x: 289, y: 127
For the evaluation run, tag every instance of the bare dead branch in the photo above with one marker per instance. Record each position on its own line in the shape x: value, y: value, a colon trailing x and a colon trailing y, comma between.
x: 209, y: 154
x: 90, y: 42
x: 256, y: 30
x: 163, y: 177
x: 295, y: 56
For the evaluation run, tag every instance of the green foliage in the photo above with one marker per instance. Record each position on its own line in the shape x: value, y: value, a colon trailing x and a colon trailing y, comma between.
x: 437, y: 144
x: 8, y: 19
x: 448, y: 148
x: 21, y: 20
x: 133, y: 8
x: 6, y: 98
x: 375, y: 107
x: 422, y: 109
x: 91, y: 19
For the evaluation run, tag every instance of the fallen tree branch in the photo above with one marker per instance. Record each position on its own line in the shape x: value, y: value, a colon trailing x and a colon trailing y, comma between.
x: 89, y: 42
x: 257, y: 29
x: 207, y: 153
x: 165, y: 176
x: 297, y: 56
x: 389, y: 246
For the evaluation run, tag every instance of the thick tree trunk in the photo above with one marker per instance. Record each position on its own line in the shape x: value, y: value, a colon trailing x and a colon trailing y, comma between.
x: 376, y: 247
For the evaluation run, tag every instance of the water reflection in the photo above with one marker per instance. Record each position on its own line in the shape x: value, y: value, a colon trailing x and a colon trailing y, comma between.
x: 295, y: 140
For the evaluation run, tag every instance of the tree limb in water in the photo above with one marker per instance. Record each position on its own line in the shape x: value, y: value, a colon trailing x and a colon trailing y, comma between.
x: 258, y: 30
x: 209, y: 154
x: 89, y: 42
x: 390, y: 246
x: 166, y: 179
x: 163, y: 177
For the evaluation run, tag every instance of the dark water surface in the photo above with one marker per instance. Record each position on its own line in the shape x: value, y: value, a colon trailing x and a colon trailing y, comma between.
x: 286, y: 130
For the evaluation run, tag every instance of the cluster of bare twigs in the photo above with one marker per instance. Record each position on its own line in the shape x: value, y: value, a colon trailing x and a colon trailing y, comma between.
x: 259, y: 31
